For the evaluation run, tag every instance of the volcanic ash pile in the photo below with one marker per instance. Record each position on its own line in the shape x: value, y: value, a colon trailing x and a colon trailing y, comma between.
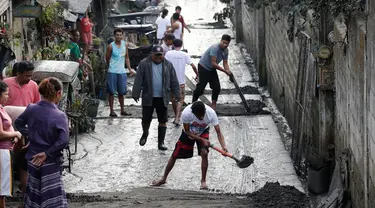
x: 273, y: 195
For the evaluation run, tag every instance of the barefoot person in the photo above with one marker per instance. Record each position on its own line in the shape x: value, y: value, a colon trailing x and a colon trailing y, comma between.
x: 156, y: 78
x: 48, y: 131
x: 179, y: 59
x: 116, y: 56
x: 208, y: 66
x: 196, y: 118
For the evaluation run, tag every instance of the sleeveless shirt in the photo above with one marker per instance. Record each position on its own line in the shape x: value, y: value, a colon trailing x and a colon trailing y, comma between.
x: 117, y: 61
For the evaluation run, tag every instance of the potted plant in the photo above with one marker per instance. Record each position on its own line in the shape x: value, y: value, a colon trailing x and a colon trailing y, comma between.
x: 79, y: 111
x: 96, y: 42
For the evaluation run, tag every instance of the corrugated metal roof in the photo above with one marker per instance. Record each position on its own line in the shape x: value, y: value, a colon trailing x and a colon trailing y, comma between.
x: 79, y: 6
x: 4, y: 4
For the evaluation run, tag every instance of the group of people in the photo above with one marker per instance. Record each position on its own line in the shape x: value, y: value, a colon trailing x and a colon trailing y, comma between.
x: 174, y: 26
x: 38, y: 132
x: 160, y: 78
x: 33, y: 133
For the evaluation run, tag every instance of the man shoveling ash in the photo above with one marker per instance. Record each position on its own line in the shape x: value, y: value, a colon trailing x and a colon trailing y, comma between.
x: 208, y: 66
x: 196, y: 119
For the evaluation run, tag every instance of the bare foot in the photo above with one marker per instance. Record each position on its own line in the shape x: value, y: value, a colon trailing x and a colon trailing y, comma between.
x: 204, y: 186
x: 158, y: 182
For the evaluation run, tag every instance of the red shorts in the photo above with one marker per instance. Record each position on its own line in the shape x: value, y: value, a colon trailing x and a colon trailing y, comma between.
x: 185, y: 146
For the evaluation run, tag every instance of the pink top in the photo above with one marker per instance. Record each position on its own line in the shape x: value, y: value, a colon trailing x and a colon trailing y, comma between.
x: 7, y: 126
x: 22, y: 95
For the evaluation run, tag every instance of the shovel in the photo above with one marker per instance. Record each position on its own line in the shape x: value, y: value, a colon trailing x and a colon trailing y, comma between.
x: 232, y: 79
x: 244, y: 162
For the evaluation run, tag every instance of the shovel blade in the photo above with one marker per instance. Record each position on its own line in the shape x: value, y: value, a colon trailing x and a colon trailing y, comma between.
x: 245, y: 161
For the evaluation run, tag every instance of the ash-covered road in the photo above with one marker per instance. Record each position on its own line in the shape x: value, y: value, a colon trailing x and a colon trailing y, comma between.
x: 110, y: 163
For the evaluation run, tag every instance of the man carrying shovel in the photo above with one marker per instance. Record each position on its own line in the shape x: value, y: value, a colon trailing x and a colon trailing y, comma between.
x: 196, y: 119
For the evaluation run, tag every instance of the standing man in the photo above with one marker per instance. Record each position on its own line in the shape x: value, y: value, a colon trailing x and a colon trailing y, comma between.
x: 181, y: 18
x: 156, y: 78
x: 22, y: 92
x: 179, y: 59
x: 116, y: 57
x: 208, y: 66
x: 197, y: 119
x: 168, y: 43
x: 176, y: 28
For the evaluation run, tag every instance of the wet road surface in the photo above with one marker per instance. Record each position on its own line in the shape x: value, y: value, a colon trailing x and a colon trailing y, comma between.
x: 110, y: 159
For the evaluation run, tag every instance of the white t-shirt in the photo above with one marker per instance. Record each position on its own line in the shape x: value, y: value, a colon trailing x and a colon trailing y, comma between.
x: 178, y: 32
x: 197, y: 126
x: 165, y: 48
x: 162, y: 26
x: 179, y: 59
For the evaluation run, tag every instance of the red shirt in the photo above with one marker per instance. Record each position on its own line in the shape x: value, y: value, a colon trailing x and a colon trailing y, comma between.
x: 85, y: 25
x: 22, y: 95
x: 181, y: 19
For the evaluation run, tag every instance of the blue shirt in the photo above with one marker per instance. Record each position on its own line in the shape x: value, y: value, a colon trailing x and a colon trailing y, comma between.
x: 157, y: 79
x: 47, y: 129
x: 117, y: 61
x: 215, y: 51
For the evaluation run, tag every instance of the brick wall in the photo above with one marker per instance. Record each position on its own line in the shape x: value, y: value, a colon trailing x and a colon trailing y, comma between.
x: 253, y: 34
x: 282, y: 65
x: 278, y: 61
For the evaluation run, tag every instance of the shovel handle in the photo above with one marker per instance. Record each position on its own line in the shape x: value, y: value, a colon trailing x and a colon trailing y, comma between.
x: 221, y: 151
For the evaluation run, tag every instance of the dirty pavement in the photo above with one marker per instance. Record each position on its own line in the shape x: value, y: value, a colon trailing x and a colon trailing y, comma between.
x: 111, y: 170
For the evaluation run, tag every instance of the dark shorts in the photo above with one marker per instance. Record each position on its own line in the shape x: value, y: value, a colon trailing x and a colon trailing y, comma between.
x: 116, y: 83
x: 185, y: 146
x: 20, y: 160
x: 161, y: 111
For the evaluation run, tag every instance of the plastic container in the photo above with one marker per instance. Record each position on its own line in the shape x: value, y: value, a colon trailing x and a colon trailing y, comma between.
x: 318, y: 179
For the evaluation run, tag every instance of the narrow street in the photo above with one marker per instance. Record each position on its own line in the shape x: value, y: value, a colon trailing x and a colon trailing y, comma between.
x: 111, y: 170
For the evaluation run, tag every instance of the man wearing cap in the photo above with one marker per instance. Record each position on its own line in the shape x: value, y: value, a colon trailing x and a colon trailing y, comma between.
x: 157, y: 79
x: 179, y: 59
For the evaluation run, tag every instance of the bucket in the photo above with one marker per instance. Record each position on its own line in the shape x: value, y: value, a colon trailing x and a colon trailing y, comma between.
x: 318, y: 179
x: 102, y: 94
x: 92, y: 107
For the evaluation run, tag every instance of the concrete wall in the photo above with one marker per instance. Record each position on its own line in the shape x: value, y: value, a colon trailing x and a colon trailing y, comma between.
x: 355, y: 102
x: 370, y: 103
x: 345, y: 117
x: 350, y: 100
